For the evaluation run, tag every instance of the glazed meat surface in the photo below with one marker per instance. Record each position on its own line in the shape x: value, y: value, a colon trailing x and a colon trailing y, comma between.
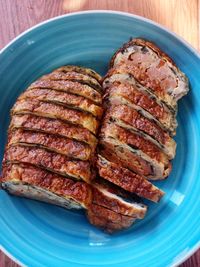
x: 72, y: 87
x: 128, y: 180
x: 61, y: 145
x: 49, y: 110
x: 65, y: 99
x: 51, y: 161
x: 53, y: 126
x: 20, y: 178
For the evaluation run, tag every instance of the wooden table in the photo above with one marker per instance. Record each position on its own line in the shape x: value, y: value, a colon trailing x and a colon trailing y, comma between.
x: 181, y: 16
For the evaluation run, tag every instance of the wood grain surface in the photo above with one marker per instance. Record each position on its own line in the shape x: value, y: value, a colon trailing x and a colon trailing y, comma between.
x: 181, y: 16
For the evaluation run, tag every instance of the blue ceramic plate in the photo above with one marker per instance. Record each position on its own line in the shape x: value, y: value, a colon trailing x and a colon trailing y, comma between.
x: 38, y: 234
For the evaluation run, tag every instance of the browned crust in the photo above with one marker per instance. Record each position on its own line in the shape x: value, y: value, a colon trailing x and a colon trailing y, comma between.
x: 63, y: 98
x: 145, y: 43
x: 135, y: 119
x: 108, y: 220
x: 69, y: 87
x: 53, y: 126
x: 61, y: 145
x: 49, y: 160
x: 50, y: 110
x: 128, y: 180
x: 142, y: 100
x: 25, y: 173
x: 83, y: 70
x: 126, y: 158
x: 114, y: 204
x: 134, y: 140
x: 74, y: 76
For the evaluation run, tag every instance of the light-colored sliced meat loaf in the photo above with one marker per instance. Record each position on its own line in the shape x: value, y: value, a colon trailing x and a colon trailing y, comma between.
x: 153, y: 69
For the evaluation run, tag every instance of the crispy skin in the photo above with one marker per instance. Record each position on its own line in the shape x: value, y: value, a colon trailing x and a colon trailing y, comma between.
x: 74, y: 76
x: 134, y: 140
x: 134, y: 119
x: 107, y: 219
x: 51, y: 161
x: 153, y: 68
x: 69, y: 87
x: 141, y: 148
x: 79, y: 192
x: 53, y: 126
x: 86, y: 71
x: 61, y: 145
x: 65, y: 99
x: 54, y: 111
x: 108, y: 196
x: 128, y: 180
x: 120, y: 91
x: 122, y: 155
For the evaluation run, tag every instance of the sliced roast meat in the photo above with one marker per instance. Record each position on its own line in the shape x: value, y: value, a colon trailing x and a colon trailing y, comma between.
x: 50, y: 110
x: 128, y: 180
x: 53, y: 126
x: 128, y: 158
x: 65, y: 99
x: 83, y: 70
x: 107, y: 219
x: 109, y: 196
x: 72, y: 87
x: 140, y: 147
x: 136, y: 121
x: 152, y: 68
x: 125, y: 93
x: 57, y: 163
x: 61, y: 145
x: 32, y: 182
x: 75, y: 77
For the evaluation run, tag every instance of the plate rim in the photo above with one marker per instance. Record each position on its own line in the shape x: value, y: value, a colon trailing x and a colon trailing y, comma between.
x: 127, y: 14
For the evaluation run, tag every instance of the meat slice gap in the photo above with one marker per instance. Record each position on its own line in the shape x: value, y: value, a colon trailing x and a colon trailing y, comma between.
x: 116, y: 199
x: 72, y: 87
x: 131, y: 119
x: 49, y: 110
x: 141, y: 149
x: 153, y: 69
x: 51, y: 161
x: 62, y: 98
x: 128, y: 180
x: 57, y: 144
x: 74, y: 77
x: 124, y: 93
x: 53, y: 126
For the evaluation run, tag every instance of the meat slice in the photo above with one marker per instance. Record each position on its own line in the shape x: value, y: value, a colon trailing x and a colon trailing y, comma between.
x: 108, y: 220
x: 129, y: 159
x: 79, y: 69
x: 57, y: 163
x: 125, y: 93
x: 61, y: 145
x: 128, y: 180
x: 49, y: 110
x: 134, y: 120
x: 139, y: 147
x: 72, y: 87
x: 32, y: 182
x: 109, y: 196
x: 86, y: 71
x: 53, y: 126
x: 74, y: 76
x: 65, y: 99
x: 153, y: 69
